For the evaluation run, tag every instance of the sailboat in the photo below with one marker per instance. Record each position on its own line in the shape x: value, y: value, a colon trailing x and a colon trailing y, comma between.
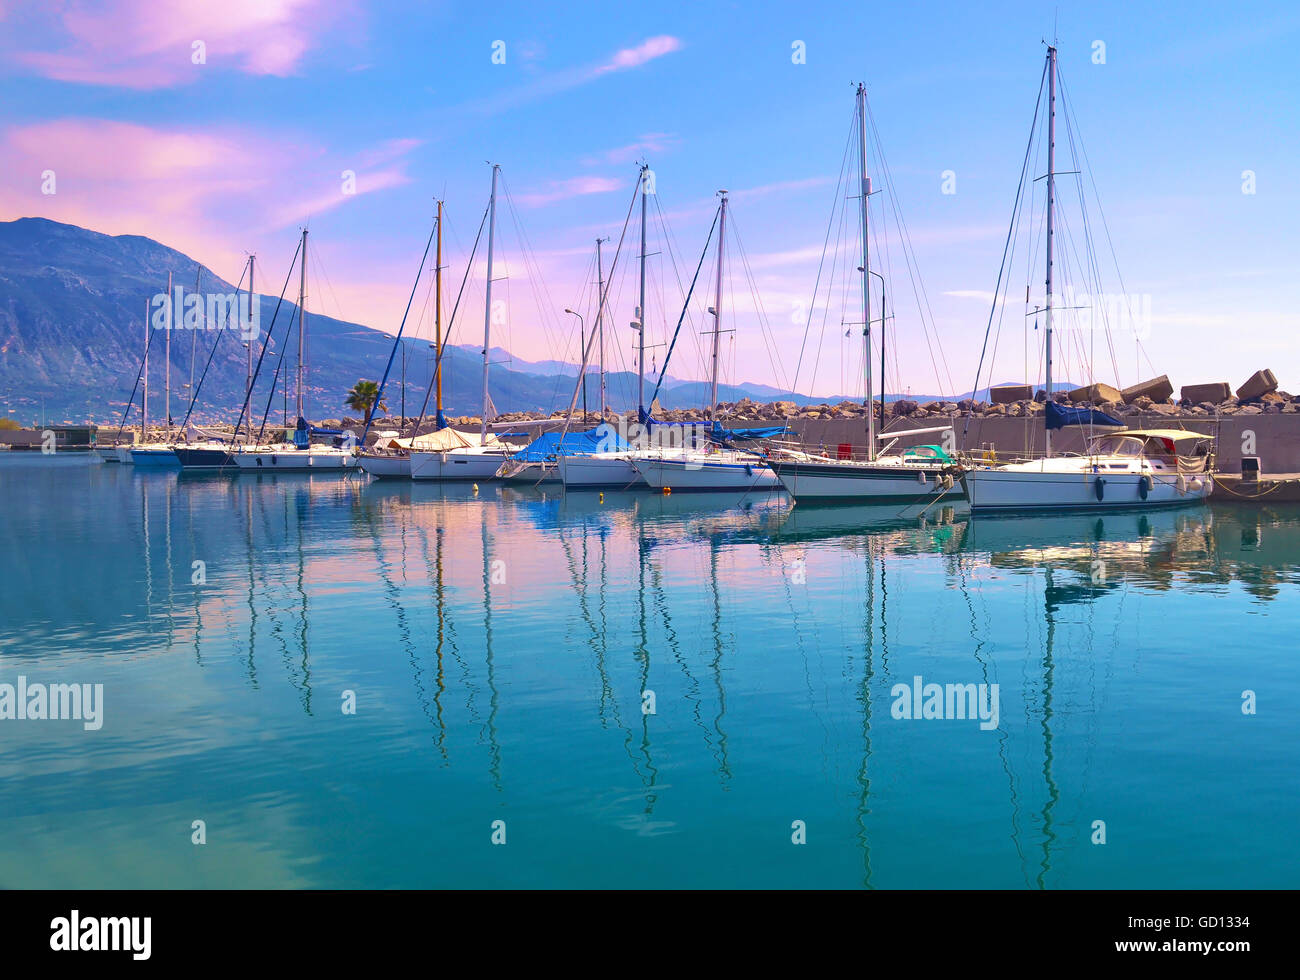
x: 915, y: 475
x: 120, y: 452
x: 451, y: 455
x: 158, y: 454
x: 390, y: 457
x: 1119, y: 469
x: 203, y: 450
x: 613, y: 470
x: 300, y: 456
x: 712, y: 466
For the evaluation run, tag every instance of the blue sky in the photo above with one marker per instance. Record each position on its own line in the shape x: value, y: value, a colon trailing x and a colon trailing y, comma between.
x: 235, y: 154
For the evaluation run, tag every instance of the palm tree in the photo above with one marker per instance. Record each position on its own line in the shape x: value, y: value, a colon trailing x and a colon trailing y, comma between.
x: 362, y: 399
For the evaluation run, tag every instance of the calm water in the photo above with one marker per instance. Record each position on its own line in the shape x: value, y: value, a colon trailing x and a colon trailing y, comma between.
x: 498, y: 645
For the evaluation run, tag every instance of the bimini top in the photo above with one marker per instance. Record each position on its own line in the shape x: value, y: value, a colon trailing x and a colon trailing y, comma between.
x: 1176, y: 435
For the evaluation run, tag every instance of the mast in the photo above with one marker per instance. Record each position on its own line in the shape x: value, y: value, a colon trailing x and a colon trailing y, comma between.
x: 640, y: 310
x: 252, y: 298
x: 717, y: 310
x: 144, y: 404
x: 302, y: 322
x: 487, y: 303
x: 600, y: 324
x: 437, y: 322
x: 194, y: 337
x: 167, y: 356
x: 1051, y: 208
x: 884, y: 315
x: 866, y: 273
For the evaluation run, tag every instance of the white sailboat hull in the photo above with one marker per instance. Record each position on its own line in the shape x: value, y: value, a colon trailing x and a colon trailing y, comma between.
x: 879, y: 482
x: 394, y: 467
x: 534, y: 474
x: 455, y: 465
x: 1032, y: 486
x: 692, y: 473
x: 613, y: 471
x: 295, y: 461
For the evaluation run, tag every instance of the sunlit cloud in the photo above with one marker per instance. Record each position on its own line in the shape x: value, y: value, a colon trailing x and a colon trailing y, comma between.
x: 545, y: 86
x: 650, y: 143
x: 202, y: 192
x: 563, y: 190
x: 648, y: 50
x: 135, y: 44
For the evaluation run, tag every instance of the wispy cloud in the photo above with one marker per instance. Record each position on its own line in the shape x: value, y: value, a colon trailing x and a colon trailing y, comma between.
x: 647, y: 50
x: 135, y: 44
x: 647, y: 144
x: 540, y: 87
x: 562, y: 190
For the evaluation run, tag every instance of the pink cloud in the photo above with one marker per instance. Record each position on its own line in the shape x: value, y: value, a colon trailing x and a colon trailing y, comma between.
x: 562, y: 190
x: 211, y: 194
x: 136, y: 44
x: 648, y: 50
x: 649, y: 143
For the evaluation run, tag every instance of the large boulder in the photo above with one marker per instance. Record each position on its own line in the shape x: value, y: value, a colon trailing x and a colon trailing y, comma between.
x: 1257, y: 386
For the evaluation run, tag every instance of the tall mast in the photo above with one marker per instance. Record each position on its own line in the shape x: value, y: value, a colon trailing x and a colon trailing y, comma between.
x: 600, y: 324
x: 1051, y: 209
x: 437, y: 320
x: 640, y: 312
x: 717, y: 309
x: 194, y: 335
x: 252, y: 298
x: 167, y: 356
x: 866, y: 273
x: 144, y: 403
x: 302, y: 323
x: 487, y: 305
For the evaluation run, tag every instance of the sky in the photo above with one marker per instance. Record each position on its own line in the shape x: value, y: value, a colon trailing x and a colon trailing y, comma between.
x: 223, y: 129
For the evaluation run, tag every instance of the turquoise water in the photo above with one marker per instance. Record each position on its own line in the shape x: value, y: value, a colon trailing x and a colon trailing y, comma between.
x: 770, y: 636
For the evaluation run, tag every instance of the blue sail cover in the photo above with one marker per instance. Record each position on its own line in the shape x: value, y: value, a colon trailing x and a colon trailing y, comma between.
x: 717, y: 431
x: 1059, y: 416
x: 767, y: 432
x: 602, y: 439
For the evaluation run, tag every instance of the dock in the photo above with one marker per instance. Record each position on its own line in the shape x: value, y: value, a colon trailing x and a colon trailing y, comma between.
x: 1273, y: 488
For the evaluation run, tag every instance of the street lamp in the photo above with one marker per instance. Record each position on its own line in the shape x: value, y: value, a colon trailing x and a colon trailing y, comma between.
x: 883, y: 316
x: 582, y: 365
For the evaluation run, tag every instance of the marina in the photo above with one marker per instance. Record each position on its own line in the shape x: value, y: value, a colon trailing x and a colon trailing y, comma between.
x: 841, y: 449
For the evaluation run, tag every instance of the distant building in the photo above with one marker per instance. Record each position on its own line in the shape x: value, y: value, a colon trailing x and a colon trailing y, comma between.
x: 70, y: 437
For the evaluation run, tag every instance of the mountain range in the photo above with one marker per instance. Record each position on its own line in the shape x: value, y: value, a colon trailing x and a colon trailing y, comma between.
x: 72, y: 331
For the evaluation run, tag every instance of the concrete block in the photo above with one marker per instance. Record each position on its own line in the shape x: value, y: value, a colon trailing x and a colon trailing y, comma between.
x: 1215, y: 391
x: 1095, y: 394
x: 1006, y: 394
x: 1257, y: 385
x: 1157, y: 389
